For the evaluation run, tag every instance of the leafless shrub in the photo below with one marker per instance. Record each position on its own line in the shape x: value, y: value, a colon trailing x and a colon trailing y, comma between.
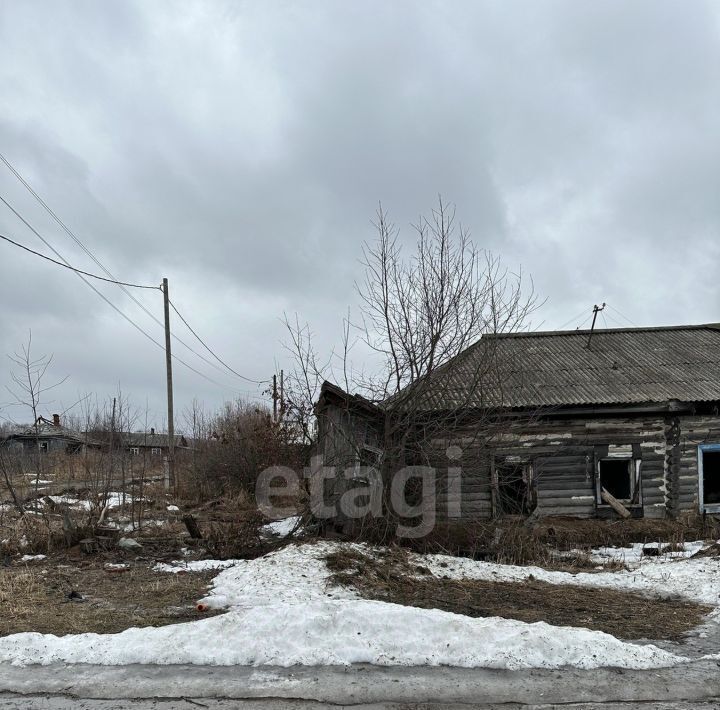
x: 233, y: 448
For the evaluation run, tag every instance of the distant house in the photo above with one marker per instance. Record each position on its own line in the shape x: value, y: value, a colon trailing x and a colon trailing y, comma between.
x: 150, y: 443
x: 49, y: 437
x: 630, y: 416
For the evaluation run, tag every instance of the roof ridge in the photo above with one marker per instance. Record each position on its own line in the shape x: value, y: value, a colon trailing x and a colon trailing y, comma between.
x: 595, y: 331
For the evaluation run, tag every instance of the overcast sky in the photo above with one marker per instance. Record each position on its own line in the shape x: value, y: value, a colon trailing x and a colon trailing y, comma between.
x: 241, y: 148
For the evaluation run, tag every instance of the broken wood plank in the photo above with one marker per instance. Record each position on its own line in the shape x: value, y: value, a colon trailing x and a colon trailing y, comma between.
x: 615, y: 504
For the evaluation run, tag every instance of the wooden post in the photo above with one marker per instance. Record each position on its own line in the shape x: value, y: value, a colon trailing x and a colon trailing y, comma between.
x: 168, y: 369
x: 275, y: 398
x: 596, y: 310
x: 282, y: 394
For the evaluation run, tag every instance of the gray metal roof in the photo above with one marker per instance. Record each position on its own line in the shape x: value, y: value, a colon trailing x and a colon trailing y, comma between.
x: 621, y: 366
x: 140, y: 438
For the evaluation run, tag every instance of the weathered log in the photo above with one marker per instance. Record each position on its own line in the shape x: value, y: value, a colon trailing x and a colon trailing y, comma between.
x: 192, y: 527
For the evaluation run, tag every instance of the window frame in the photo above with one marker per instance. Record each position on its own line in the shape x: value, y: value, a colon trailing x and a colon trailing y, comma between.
x: 635, y: 474
x: 712, y: 507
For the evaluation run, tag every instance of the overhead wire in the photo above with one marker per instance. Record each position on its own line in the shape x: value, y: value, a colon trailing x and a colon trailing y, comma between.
x: 623, y: 316
x: 100, y: 293
x: 580, y: 327
x: 72, y: 268
x: 97, y: 261
x: 615, y: 321
x: 207, y: 347
x: 574, y: 319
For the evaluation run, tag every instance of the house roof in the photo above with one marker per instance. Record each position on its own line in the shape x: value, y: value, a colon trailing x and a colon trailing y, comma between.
x: 621, y: 366
x: 141, y: 438
x: 331, y: 393
x: 47, y: 430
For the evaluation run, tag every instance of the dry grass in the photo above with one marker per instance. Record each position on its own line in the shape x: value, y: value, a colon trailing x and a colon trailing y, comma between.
x: 392, y: 577
x: 34, y: 598
x: 511, y: 541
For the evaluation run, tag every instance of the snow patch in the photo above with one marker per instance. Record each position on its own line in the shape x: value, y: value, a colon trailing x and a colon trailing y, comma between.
x: 280, y: 528
x: 282, y: 612
x: 32, y: 558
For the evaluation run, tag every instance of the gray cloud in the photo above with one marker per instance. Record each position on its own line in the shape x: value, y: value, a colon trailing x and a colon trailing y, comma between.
x: 241, y: 150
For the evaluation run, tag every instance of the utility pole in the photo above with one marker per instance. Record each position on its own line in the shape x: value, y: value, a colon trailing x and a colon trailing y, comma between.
x: 168, y: 368
x: 596, y: 310
x: 274, y: 398
x: 282, y: 394
x: 112, y: 441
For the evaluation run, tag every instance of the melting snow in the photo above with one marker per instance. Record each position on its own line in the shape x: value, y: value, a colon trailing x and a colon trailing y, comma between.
x: 280, y: 528
x: 281, y: 612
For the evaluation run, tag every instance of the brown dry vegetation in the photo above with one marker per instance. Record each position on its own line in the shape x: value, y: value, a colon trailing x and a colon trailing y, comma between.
x: 512, y: 541
x: 391, y: 576
x: 34, y: 597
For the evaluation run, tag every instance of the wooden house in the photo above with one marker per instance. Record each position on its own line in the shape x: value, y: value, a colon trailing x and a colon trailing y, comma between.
x: 48, y: 437
x: 588, y: 424
x: 152, y: 444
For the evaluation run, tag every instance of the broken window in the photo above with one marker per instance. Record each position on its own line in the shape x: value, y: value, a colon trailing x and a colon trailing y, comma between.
x: 620, y: 477
x: 43, y: 445
x: 514, y: 489
x: 710, y: 477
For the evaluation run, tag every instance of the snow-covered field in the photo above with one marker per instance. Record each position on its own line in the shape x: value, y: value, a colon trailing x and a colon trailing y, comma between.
x: 282, y: 612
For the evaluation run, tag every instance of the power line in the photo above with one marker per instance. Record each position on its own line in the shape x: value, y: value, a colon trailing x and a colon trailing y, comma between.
x: 623, y: 316
x: 99, y: 293
x: 97, y: 261
x: 580, y: 327
x: 72, y: 268
x: 202, y: 342
x: 574, y: 319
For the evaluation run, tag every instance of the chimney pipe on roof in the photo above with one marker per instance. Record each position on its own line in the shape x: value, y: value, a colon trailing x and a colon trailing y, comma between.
x: 152, y: 431
x: 56, y: 420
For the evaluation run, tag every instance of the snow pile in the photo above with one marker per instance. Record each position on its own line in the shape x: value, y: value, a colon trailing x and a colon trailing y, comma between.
x: 282, y: 612
x: 340, y: 632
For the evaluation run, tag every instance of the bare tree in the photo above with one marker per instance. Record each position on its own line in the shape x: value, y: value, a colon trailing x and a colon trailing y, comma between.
x: 29, y: 379
x: 422, y: 316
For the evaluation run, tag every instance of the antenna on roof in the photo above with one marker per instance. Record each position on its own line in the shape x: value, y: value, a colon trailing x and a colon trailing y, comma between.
x: 596, y: 310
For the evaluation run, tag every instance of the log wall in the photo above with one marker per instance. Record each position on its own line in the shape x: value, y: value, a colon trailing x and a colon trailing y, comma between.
x: 563, y: 452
